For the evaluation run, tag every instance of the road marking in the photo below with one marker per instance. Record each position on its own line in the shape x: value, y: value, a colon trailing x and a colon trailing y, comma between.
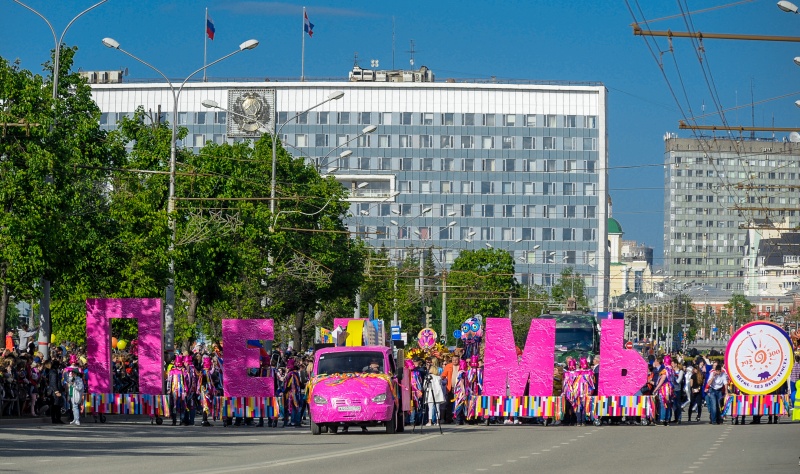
x: 524, y: 457
x: 545, y: 450
x: 496, y: 465
x: 580, y: 436
x: 565, y: 443
x: 481, y: 469
x: 535, y: 453
x: 511, y: 460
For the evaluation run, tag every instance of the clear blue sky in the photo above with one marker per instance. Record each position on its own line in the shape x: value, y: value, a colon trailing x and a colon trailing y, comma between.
x: 539, y: 40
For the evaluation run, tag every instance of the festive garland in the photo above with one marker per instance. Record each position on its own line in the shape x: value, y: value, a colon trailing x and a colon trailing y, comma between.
x: 439, y: 351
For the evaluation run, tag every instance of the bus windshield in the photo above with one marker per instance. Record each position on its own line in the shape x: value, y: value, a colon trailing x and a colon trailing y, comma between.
x: 574, y: 339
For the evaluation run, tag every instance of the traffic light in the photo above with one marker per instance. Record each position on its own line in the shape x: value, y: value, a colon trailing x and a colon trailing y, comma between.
x: 428, y: 316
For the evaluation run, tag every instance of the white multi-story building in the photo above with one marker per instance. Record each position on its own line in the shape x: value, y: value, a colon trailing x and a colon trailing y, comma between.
x: 519, y: 166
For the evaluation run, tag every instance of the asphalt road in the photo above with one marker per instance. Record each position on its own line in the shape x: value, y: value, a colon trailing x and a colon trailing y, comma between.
x: 141, y: 448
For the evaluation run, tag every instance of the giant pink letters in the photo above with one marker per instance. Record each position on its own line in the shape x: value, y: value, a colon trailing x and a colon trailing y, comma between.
x: 239, y: 358
x: 147, y: 312
x: 622, y: 371
x: 500, y: 359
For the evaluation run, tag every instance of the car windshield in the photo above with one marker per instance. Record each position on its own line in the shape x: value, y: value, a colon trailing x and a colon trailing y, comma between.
x: 569, y: 339
x: 344, y: 362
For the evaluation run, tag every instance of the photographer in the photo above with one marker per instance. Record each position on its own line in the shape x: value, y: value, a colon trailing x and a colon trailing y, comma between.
x: 434, y: 395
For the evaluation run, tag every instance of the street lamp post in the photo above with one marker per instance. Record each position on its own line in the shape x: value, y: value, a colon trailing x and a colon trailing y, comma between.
x: 169, y: 310
x: 44, y: 303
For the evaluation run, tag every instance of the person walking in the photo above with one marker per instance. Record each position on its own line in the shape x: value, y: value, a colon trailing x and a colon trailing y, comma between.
x: 715, y: 395
x: 75, y: 390
x: 55, y: 390
x: 696, y: 384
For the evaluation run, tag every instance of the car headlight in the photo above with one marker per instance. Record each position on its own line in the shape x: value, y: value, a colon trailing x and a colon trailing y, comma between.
x: 380, y: 398
x: 320, y: 400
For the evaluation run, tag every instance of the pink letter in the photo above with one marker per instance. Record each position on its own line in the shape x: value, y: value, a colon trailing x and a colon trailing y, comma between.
x: 501, y: 365
x: 622, y: 371
x: 98, y: 342
x: 239, y: 359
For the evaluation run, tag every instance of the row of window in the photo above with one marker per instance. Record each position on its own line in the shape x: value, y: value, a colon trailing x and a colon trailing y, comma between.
x: 490, y: 187
x: 706, y: 236
x: 708, y: 224
x: 508, y: 234
x: 733, y: 162
x: 464, y: 142
x: 445, y: 119
x: 782, y: 175
x: 459, y: 164
x: 709, y: 261
x: 738, y: 249
x: 568, y: 257
x: 477, y: 210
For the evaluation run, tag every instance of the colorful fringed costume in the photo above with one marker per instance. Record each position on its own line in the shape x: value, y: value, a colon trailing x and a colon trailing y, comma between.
x: 474, y: 384
x: 292, y: 395
x: 460, y: 394
x: 206, y: 391
x: 176, y: 388
x: 472, y: 334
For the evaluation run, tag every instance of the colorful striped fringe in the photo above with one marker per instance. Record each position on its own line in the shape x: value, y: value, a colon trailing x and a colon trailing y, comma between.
x: 526, y: 407
x: 127, y: 404
x: 247, y: 407
x: 623, y: 406
x: 738, y: 405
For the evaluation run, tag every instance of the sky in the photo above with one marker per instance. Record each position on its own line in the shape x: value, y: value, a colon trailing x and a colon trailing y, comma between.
x: 533, y: 39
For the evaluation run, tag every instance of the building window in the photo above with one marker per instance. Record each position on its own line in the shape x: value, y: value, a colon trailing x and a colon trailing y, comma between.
x: 384, y: 141
x: 343, y: 118
x: 446, y: 187
x: 509, y: 165
x: 589, y: 212
x: 569, y: 189
x: 570, y: 166
x: 468, y: 119
x: 589, y: 121
x: 448, y: 119
x: 300, y: 140
x: 569, y: 257
x: 487, y: 210
x: 446, y: 141
x: 549, y: 166
x: 425, y: 187
x: 381, y: 232
x: 530, y: 120
x: 426, y: 118
x: 302, y: 119
x: 363, y: 141
x: 404, y: 187
x: 182, y: 117
x: 405, y: 118
x: 385, y: 118
x: 344, y: 163
x: 220, y: 117
x: 426, y: 141
x: 489, y: 120
x: 467, y: 187
x: 219, y: 138
x: 426, y: 164
x: 509, y: 120
x: 548, y: 189
x: 508, y: 143
x: 402, y: 233
x: 364, y: 118
x: 589, y: 189
x: 548, y: 233
x: 570, y: 121
x: 487, y: 187
x: 550, y: 121
x: 200, y: 118
x: 405, y: 141
x: 549, y: 211
x: 386, y: 163
x: 321, y: 139
x: 508, y: 187
x: 549, y: 143
x: 528, y: 143
x: 589, y: 144
x: 487, y: 143
x: 199, y: 140
x: 589, y: 235
x: 322, y: 118
x: 570, y: 143
x: 466, y: 210
x: 507, y: 233
x: 448, y: 164
x: 364, y: 163
x: 405, y: 164
x: 341, y: 140
x: 508, y: 210
x: 590, y: 166
x: 487, y: 233
x: 528, y: 234
x: 467, y: 141
x: 445, y: 233
x: 468, y: 164
x: 569, y: 212
x: 529, y: 188
x: 488, y: 165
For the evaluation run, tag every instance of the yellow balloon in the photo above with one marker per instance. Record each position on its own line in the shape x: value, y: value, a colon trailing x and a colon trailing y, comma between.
x: 53, y: 338
x: 121, y: 345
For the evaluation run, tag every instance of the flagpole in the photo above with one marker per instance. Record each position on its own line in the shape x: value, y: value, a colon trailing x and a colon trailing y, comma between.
x: 303, y: 49
x: 205, y: 46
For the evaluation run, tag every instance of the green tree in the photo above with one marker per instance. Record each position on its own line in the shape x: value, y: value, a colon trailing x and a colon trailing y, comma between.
x: 739, y: 310
x: 529, y: 303
x: 482, y: 282
x: 570, y: 284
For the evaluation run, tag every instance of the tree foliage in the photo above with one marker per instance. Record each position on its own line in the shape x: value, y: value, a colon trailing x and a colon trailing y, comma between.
x: 482, y: 282
x: 570, y: 284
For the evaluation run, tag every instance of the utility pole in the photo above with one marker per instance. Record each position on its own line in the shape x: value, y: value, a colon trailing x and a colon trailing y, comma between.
x: 443, y: 334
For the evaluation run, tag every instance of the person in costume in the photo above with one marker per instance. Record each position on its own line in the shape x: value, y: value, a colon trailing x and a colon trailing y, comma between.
x: 474, y: 384
x: 190, y: 372
x: 568, y: 390
x: 176, y: 388
x: 471, y: 335
x: 206, y: 390
x: 417, y: 380
x: 460, y: 393
x: 583, y: 388
x: 292, y: 395
x: 664, y: 389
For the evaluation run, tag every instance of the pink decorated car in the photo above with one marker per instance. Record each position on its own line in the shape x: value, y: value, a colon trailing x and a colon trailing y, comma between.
x: 354, y: 386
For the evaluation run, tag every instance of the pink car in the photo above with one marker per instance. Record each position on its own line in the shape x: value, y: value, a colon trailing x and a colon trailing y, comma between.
x: 354, y: 386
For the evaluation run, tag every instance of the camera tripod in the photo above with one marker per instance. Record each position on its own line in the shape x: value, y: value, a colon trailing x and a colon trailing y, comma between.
x: 426, y: 381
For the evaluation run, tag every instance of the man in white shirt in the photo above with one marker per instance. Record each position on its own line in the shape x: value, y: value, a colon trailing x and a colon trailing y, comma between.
x: 717, y: 381
x: 24, y: 336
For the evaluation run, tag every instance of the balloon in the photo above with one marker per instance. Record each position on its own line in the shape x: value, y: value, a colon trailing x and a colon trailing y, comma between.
x: 114, y: 343
x: 53, y: 338
x: 121, y: 345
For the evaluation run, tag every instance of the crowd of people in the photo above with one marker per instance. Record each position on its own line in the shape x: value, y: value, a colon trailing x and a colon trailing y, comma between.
x: 445, y: 388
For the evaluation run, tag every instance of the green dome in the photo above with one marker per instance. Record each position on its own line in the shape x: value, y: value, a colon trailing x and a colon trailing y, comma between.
x: 613, y: 226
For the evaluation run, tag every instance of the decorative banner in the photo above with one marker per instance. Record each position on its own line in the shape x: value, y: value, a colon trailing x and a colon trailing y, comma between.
x: 239, y: 358
x: 247, y: 407
x: 623, y: 372
x: 622, y: 406
x: 796, y: 406
x: 738, y: 405
x: 547, y: 407
x: 426, y: 338
x: 355, y: 333
x: 502, y: 368
x: 127, y: 404
x: 759, y: 357
x: 147, y: 311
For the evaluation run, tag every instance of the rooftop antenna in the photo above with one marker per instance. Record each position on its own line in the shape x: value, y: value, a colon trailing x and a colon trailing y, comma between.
x: 752, y: 111
x: 355, y: 59
x: 411, y: 61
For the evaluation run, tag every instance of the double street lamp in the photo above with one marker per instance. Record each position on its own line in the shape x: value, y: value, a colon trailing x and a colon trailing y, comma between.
x: 169, y: 310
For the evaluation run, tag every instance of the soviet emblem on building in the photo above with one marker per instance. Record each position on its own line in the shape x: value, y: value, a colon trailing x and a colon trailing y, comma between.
x: 250, y: 111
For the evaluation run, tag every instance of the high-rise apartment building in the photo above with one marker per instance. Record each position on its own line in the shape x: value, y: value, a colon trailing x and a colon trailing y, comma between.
x: 519, y: 166
x: 714, y: 190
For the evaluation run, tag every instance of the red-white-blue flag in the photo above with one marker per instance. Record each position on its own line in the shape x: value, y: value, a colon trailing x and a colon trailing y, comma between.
x: 308, y: 27
x: 210, y: 28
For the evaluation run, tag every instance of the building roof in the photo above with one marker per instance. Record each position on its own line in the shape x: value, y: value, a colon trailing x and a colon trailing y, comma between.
x: 774, y: 250
x: 614, y: 227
